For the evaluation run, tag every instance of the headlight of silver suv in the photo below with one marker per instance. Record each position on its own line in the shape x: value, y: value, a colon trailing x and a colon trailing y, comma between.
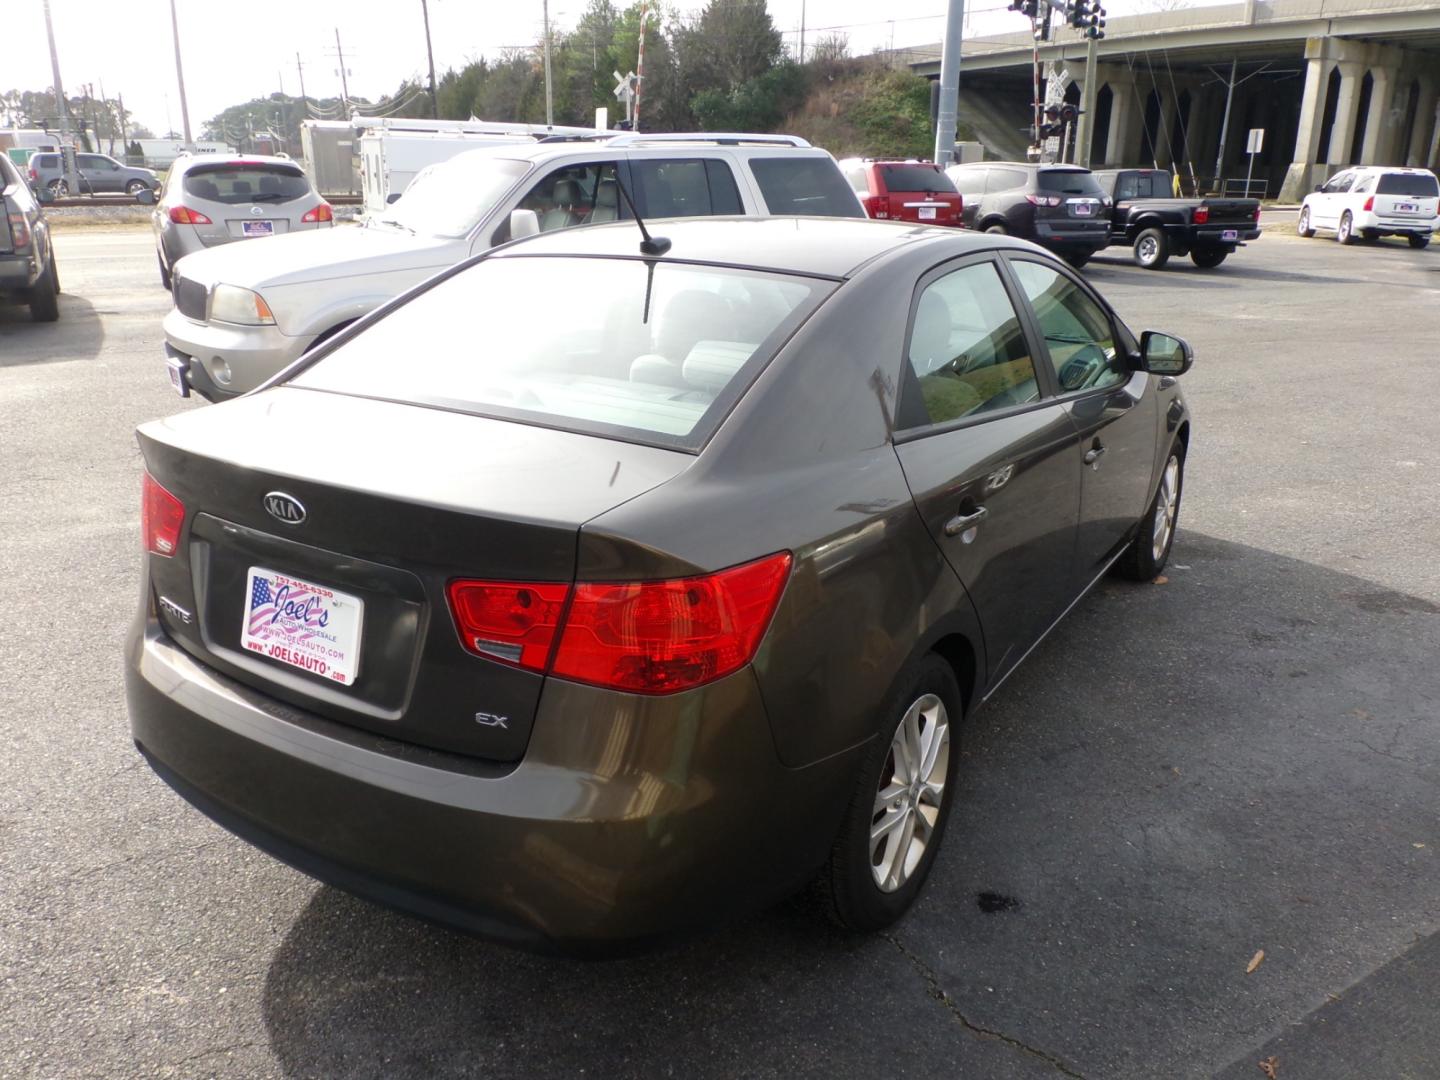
x: 232, y: 304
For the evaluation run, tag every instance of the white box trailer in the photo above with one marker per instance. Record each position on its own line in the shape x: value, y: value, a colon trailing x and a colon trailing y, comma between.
x: 328, y: 150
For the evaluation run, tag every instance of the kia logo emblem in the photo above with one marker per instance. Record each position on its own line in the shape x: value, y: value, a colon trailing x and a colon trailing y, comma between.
x: 285, y: 508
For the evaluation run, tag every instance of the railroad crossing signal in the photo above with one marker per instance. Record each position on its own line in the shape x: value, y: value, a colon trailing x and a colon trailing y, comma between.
x: 625, y: 86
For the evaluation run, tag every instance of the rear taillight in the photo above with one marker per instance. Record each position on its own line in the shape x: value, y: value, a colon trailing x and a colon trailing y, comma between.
x: 19, y: 230
x: 33, y: 174
x: 318, y: 214
x: 876, y: 206
x: 649, y: 637
x: 1202, y: 215
x: 1370, y: 204
x: 161, y: 515
x: 513, y: 622
x: 183, y: 215
x: 1044, y: 200
x: 1257, y: 213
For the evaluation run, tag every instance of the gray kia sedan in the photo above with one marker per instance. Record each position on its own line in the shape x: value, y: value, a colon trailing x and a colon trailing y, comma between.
x: 592, y: 591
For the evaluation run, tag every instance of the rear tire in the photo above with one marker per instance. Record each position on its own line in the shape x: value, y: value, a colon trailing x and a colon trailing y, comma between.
x: 1148, y: 552
x: 875, y: 872
x: 134, y: 187
x: 1303, y: 228
x: 1418, y: 242
x: 165, y: 278
x: 997, y: 228
x: 1208, y: 258
x: 1345, y: 232
x: 1152, y: 249
x: 45, y: 295
x: 58, y: 189
x: 1077, y: 260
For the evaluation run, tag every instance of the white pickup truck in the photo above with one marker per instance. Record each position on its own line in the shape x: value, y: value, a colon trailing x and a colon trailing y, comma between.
x: 245, y: 312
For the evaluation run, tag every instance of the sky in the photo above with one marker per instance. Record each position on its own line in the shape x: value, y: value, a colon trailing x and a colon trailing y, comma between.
x: 234, y: 52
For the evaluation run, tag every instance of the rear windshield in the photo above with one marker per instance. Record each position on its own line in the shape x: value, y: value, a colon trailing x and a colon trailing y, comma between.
x: 451, y: 198
x: 646, y: 352
x: 916, y: 178
x: 1070, y: 182
x: 1420, y: 185
x: 805, y: 185
x: 1144, y: 185
x: 246, y: 182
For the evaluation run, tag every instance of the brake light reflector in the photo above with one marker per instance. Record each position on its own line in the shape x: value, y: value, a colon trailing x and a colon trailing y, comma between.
x: 1370, y: 204
x: 659, y: 637
x: 319, y: 213
x: 1202, y: 215
x: 514, y: 622
x: 183, y: 215
x: 161, y: 515
x: 19, y: 230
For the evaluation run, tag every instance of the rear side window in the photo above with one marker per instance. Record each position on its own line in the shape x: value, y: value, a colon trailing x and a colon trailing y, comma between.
x: 968, y: 181
x: 246, y: 182
x: 46, y: 161
x: 1072, y: 182
x: 804, y: 185
x: 1006, y: 180
x: 926, y: 178
x: 1419, y: 185
x: 649, y: 352
x: 698, y: 188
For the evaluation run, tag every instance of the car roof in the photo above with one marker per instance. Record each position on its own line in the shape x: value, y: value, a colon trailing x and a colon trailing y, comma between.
x: 668, y: 146
x: 816, y: 246
x: 188, y: 161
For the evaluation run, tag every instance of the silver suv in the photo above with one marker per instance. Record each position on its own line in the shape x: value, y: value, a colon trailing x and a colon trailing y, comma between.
x: 245, y: 312
x: 100, y: 174
x: 212, y: 199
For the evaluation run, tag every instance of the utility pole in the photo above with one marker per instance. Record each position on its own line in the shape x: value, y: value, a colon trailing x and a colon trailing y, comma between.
x: 1225, y: 127
x: 430, y: 55
x: 304, y: 105
x: 72, y: 175
x: 1085, y: 125
x: 949, y: 84
x: 124, y: 128
x: 639, y: 69
x: 180, y: 77
x: 344, y: 83
x: 549, y: 101
x: 802, y: 31
x: 284, y: 114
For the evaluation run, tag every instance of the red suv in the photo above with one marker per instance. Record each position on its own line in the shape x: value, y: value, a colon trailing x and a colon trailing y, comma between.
x: 904, y: 190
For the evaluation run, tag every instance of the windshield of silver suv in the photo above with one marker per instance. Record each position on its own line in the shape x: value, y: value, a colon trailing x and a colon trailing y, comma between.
x: 451, y: 199
x: 246, y: 182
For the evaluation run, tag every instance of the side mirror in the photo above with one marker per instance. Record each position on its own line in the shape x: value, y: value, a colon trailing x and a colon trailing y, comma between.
x: 1319, y: 187
x: 524, y: 223
x: 1165, y: 354
x: 393, y: 197
x: 145, y: 196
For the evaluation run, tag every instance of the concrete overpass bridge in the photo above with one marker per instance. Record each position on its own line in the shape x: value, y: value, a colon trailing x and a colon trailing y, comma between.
x: 1332, y: 82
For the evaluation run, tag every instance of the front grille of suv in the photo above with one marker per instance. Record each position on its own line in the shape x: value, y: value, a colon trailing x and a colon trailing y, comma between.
x: 190, y: 297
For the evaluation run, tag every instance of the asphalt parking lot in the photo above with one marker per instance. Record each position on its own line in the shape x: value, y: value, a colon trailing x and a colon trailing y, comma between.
x: 1243, y: 757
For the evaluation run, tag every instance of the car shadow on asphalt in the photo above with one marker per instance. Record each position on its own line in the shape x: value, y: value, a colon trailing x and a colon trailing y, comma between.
x: 1241, y: 756
x: 1231, y: 275
x: 78, y: 335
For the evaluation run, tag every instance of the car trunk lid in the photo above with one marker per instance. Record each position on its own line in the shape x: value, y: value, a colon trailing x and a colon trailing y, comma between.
x: 336, y: 500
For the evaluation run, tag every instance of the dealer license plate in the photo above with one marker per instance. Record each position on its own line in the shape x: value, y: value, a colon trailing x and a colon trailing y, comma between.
x: 257, y: 228
x: 1406, y: 207
x: 304, y: 625
x: 927, y: 213
x: 1230, y: 234
x: 1084, y: 209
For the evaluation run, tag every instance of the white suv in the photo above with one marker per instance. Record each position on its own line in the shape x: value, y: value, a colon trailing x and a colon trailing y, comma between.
x: 244, y: 312
x: 1374, y: 201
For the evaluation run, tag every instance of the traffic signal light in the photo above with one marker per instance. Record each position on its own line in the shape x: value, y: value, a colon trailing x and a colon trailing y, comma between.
x: 1087, y: 16
x: 1029, y: 8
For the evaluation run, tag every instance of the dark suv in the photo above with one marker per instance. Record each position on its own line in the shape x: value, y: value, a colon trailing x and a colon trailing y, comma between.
x: 1061, y: 207
x: 27, y: 262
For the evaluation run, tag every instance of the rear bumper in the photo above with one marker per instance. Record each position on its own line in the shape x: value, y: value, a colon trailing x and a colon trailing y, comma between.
x: 1073, y: 236
x: 17, y: 271
x: 628, y: 820
x: 1214, y: 235
x: 1415, y: 226
x: 252, y: 354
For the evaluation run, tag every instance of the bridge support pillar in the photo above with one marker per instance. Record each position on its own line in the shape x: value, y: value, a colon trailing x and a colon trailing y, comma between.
x: 1420, y: 152
x: 1123, y: 104
x: 1375, y: 149
x: 1312, y: 116
x: 1347, y: 107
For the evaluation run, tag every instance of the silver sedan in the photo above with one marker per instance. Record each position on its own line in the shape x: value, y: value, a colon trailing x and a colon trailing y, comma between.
x: 213, y: 199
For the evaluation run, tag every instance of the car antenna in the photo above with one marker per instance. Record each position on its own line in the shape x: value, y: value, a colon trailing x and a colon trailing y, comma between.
x: 651, y: 245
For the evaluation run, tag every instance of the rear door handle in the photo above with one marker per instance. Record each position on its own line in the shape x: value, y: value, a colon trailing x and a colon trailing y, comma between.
x: 960, y: 522
x: 1093, y: 454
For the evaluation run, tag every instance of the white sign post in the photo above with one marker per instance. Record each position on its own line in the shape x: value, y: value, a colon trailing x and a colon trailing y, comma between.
x: 1254, y: 143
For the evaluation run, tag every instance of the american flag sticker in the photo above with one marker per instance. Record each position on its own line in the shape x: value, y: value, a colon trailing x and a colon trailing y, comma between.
x: 303, y: 625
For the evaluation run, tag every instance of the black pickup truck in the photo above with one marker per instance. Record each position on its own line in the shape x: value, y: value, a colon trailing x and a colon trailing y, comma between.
x: 1156, y: 225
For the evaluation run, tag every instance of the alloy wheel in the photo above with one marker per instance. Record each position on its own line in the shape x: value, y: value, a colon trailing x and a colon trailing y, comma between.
x: 911, y: 793
x: 1148, y: 249
x: 1304, y: 228
x: 59, y: 189
x: 1167, y: 504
